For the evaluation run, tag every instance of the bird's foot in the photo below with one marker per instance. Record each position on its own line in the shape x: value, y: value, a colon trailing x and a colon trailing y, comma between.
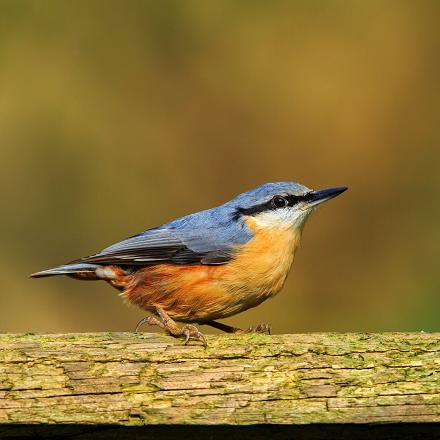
x: 259, y: 328
x: 188, y: 331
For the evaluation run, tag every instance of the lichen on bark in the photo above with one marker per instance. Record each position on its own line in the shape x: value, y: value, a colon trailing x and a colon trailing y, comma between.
x: 136, y: 379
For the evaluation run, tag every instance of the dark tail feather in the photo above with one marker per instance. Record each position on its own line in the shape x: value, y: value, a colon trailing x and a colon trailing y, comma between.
x: 78, y: 269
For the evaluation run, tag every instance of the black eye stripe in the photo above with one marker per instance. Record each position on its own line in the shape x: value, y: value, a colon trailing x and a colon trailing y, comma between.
x: 292, y: 200
x: 271, y: 206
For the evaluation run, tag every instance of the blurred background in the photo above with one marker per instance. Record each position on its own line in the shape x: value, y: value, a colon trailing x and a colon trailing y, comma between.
x: 117, y: 116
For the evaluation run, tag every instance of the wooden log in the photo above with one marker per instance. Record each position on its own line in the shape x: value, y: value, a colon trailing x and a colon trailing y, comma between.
x: 131, y: 379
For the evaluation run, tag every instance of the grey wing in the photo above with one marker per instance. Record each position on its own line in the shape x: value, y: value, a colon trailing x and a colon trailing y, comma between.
x: 161, y: 245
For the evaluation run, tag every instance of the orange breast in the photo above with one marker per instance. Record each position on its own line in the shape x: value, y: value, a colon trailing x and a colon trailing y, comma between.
x: 201, y: 293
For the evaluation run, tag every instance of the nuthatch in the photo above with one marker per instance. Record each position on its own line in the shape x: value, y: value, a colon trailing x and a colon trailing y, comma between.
x: 208, y: 265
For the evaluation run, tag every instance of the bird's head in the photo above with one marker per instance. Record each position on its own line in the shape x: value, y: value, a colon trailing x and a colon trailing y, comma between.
x: 281, y: 204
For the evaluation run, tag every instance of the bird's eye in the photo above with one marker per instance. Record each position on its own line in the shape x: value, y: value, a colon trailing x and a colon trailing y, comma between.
x: 279, y: 202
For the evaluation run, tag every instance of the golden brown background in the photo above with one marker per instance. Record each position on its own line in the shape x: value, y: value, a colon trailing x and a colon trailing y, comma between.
x: 116, y: 116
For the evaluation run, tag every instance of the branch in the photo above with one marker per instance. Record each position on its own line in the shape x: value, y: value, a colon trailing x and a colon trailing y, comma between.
x: 127, y: 379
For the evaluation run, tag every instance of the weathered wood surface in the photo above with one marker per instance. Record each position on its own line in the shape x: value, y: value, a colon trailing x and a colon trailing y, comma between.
x: 128, y: 379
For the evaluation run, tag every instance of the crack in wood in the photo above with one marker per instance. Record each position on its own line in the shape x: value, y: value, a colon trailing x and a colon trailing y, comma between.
x: 152, y: 379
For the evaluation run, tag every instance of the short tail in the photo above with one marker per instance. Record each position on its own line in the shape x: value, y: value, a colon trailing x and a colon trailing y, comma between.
x: 76, y: 269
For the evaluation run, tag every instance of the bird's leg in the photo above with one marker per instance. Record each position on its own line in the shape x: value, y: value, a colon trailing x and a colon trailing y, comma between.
x: 223, y: 327
x: 165, y: 322
x: 260, y: 328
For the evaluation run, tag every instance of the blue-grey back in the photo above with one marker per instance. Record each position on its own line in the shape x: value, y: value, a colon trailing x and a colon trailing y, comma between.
x: 221, y: 227
x: 208, y: 236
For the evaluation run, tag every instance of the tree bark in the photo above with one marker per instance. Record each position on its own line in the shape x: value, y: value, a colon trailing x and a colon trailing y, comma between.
x: 152, y: 379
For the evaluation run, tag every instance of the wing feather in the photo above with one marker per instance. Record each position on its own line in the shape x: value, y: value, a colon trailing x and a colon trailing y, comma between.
x: 155, y: 246
x: 207, y: 237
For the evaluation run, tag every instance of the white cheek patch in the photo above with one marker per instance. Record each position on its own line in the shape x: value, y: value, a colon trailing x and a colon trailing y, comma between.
x: 283, y: 218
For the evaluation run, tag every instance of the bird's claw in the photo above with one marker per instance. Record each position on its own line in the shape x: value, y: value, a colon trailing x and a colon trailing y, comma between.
x: 190, y: 330
x: 146, y: 320
x: 260, y: 328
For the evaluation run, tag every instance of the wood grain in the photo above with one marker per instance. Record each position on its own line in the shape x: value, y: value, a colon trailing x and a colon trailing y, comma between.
x: 152, y: 379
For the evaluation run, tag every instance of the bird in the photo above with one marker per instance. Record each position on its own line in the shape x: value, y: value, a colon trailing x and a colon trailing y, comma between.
x: 208, y: 265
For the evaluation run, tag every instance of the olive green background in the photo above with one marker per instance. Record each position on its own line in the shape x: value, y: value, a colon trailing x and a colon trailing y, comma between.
x: 117, y: 116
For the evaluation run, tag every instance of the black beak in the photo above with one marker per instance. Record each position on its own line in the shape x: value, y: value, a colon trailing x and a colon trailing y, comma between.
x: 316, y: 197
